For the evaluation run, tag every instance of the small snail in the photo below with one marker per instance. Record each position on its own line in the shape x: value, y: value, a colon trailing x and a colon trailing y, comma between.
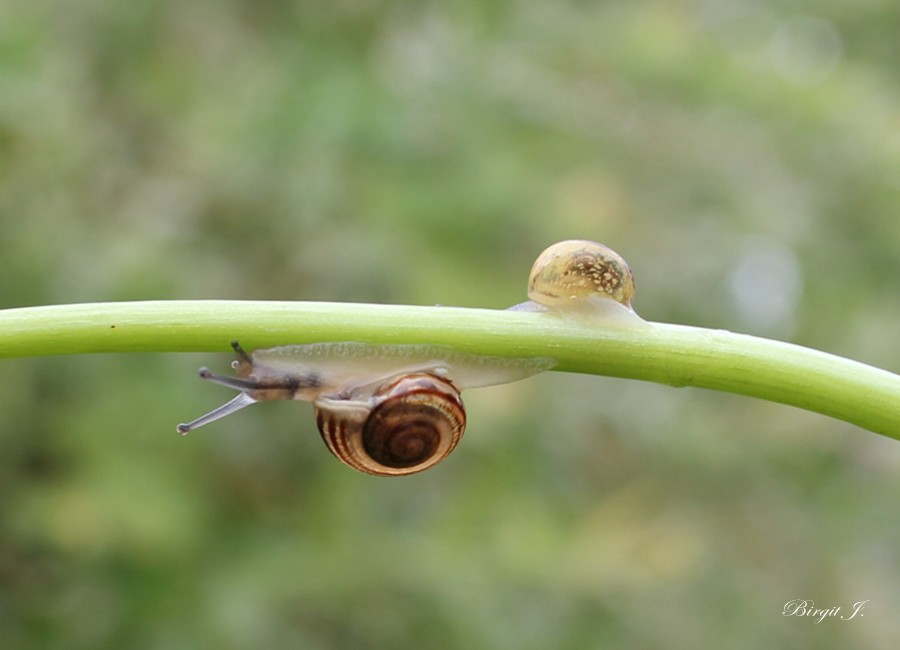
x: 583, y: 279
x: 382, y: 409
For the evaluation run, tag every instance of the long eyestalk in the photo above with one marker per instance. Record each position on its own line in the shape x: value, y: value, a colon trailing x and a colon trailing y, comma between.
x: 243, y: 400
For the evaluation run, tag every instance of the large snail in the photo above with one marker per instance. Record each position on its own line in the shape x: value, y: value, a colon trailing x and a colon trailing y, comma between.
x: 396, y: 409
x: 382, y: 409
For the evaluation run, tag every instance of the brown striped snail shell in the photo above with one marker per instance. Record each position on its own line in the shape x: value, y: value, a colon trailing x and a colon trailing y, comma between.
x: 413, y: 423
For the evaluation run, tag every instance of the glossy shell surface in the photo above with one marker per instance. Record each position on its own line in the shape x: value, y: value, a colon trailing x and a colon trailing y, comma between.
x: 577, y: 269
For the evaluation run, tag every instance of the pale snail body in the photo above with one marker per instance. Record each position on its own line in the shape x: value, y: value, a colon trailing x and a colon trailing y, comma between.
x: 381, y: 409
x: 584, y: 280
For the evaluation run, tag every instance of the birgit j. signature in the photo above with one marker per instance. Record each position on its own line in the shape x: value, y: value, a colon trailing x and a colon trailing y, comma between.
x: 807, y: 608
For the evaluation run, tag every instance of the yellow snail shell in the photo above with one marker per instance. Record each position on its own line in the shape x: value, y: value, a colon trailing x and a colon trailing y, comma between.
x: 585, y: 280
x: 388, y: 410
x: 576, y: 269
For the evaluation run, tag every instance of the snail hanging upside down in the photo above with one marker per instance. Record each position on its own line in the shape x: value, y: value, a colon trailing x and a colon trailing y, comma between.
x: 393, y: 410
x: 381, y: 409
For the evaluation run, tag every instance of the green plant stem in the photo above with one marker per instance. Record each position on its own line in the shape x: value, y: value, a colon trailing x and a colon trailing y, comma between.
x: 668, y: 354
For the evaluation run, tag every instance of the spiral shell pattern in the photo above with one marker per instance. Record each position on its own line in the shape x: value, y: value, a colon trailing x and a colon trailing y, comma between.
x: 415, y: 422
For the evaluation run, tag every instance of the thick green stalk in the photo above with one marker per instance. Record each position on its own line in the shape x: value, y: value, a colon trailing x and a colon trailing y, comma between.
x: 669, y: 354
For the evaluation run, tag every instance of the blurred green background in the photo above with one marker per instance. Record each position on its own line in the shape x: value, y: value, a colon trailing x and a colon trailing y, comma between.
x: 745, y: 159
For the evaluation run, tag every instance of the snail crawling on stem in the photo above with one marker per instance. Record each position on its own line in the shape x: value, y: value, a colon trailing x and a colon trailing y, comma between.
x: 392, y: 410
x: 382, y: 409
x: 583, y: 279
